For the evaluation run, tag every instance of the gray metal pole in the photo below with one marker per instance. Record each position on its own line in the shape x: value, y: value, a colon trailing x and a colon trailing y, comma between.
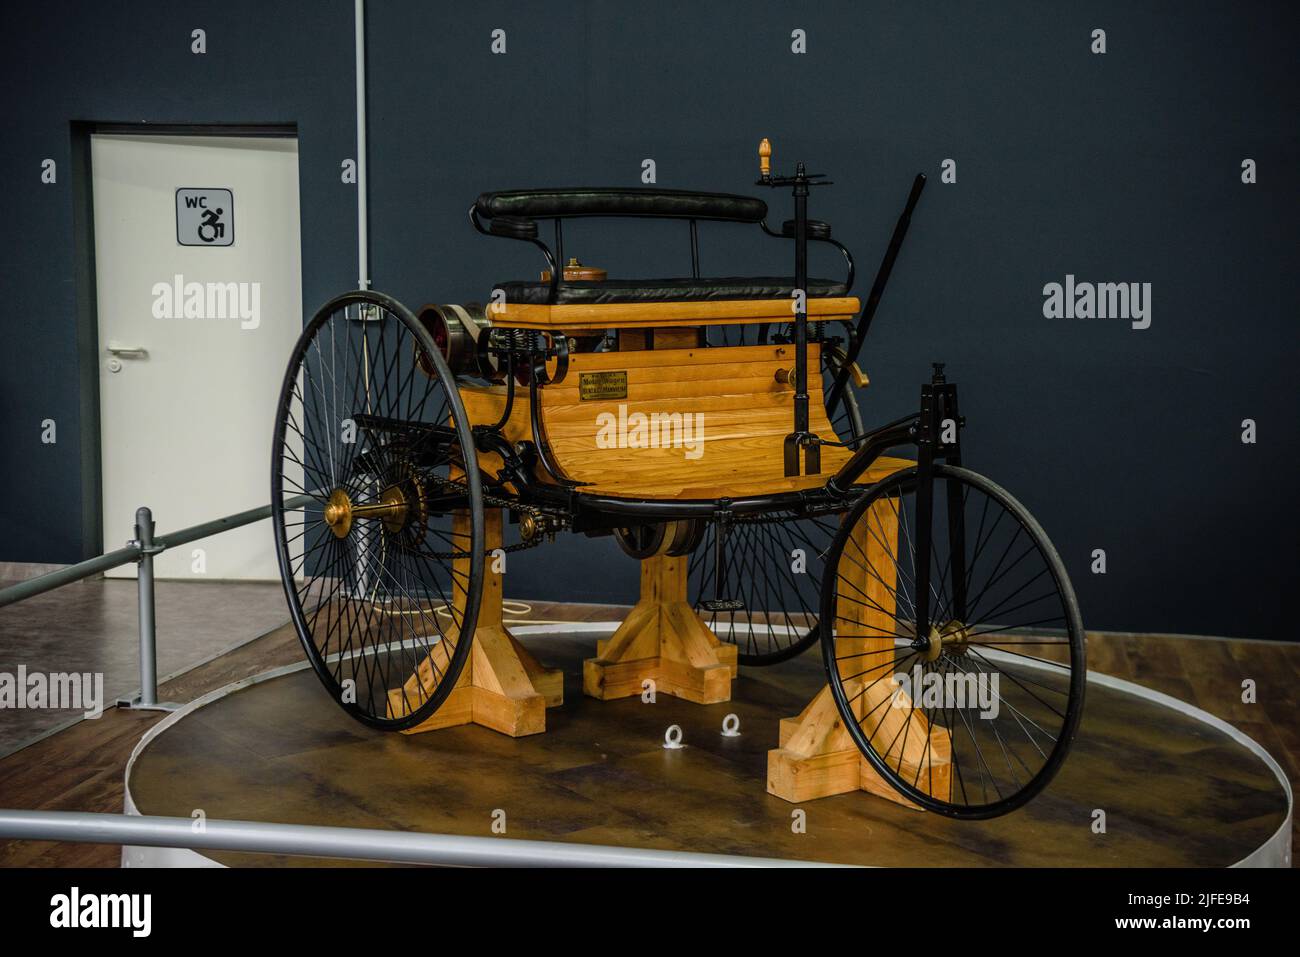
x: 144, y: 589
x: 407, y: 847
x: 363, y: 197
x: 147, y: 699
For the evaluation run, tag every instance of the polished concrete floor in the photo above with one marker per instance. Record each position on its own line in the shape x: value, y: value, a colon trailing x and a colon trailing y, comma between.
x: 92, y: 627
x: 81, y: 768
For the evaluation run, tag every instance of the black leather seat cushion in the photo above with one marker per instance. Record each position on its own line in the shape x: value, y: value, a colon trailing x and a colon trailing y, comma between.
x: 612, y: 201
x: 667, y: 290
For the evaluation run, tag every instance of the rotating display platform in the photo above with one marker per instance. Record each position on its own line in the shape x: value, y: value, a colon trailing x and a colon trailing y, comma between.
x: 1176, y: 786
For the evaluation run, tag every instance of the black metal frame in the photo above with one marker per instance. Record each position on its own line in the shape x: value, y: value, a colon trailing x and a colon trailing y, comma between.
x: 877, y: 291
x: 925, y: 429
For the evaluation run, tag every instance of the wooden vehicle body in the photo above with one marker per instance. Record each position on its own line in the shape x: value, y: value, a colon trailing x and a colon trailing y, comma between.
x: 690, y: 422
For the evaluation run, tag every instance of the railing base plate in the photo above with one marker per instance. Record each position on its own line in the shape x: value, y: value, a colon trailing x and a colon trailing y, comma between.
x: 134, y: 703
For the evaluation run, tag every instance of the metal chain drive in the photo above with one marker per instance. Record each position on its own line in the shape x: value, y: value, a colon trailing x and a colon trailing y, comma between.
x: 548, y: 521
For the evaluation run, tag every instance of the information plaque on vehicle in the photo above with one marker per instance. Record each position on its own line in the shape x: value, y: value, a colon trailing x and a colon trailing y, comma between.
x: 602, y: 385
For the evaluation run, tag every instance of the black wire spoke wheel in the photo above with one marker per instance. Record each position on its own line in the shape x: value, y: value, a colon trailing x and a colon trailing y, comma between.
x: 772, y: 573
x: 378, y: 511
x: 972, y: 714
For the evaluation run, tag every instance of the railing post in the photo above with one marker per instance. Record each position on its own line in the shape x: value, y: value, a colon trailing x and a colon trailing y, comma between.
x: 144, y: 528
x: 147, y: 699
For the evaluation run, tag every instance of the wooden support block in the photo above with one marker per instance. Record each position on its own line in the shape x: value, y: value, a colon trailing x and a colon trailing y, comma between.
x: 663, y: 640
x: 502, y: 687
x: 816, y: 757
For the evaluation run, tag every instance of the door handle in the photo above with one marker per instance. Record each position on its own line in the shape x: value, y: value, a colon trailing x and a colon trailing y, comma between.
x: 127, y: 352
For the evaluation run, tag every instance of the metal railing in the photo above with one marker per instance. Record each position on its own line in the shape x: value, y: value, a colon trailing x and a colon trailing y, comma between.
x: 141, y: 549
x: 349, y: 843
x: 364, y: 844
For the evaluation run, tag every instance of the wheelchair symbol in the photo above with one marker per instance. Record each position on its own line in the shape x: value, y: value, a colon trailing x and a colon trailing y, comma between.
x: 212, y: 228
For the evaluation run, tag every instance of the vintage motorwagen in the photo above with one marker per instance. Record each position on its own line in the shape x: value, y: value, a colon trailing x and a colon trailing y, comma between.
x: 952, y: 640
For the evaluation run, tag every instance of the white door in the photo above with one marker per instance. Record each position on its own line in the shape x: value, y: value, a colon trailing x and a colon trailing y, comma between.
x: 199, y: 307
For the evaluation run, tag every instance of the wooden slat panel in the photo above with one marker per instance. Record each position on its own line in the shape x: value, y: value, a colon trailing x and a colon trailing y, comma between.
x: 759, y: 378
x: 738, y: 410
x: 651, y: 358
x: 579, y: 317
x: 747, y: 415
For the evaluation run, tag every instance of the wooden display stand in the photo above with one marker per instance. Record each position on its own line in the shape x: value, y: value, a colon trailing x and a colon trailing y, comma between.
x: 664, y: 640
x: 502, y: 686
x: 816, y: 757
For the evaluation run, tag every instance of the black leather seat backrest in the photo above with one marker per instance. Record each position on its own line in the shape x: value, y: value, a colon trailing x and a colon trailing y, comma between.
x: 631, y: 201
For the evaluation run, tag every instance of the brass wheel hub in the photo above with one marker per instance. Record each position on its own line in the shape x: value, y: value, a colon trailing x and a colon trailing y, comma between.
x: 338, y: 513
x: 391, y: 509
x: 953, y: 637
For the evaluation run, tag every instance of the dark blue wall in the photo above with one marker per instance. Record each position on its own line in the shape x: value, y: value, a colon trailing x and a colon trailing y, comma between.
x: 1119, y: 167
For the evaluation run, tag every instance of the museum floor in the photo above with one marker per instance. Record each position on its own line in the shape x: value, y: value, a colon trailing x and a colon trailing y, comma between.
x: 81, y: 767
x: 92, y: 626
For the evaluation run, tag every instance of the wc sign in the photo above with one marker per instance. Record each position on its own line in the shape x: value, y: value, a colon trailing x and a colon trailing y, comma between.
x: 205, y: 217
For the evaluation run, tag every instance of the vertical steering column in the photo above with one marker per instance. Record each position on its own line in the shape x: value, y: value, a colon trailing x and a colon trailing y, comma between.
x: 801, y: 438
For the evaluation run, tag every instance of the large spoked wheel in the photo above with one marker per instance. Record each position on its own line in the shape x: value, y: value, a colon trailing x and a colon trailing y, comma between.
x: 378, y: 511
x: 972, y: 714
x: 772, y: 569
